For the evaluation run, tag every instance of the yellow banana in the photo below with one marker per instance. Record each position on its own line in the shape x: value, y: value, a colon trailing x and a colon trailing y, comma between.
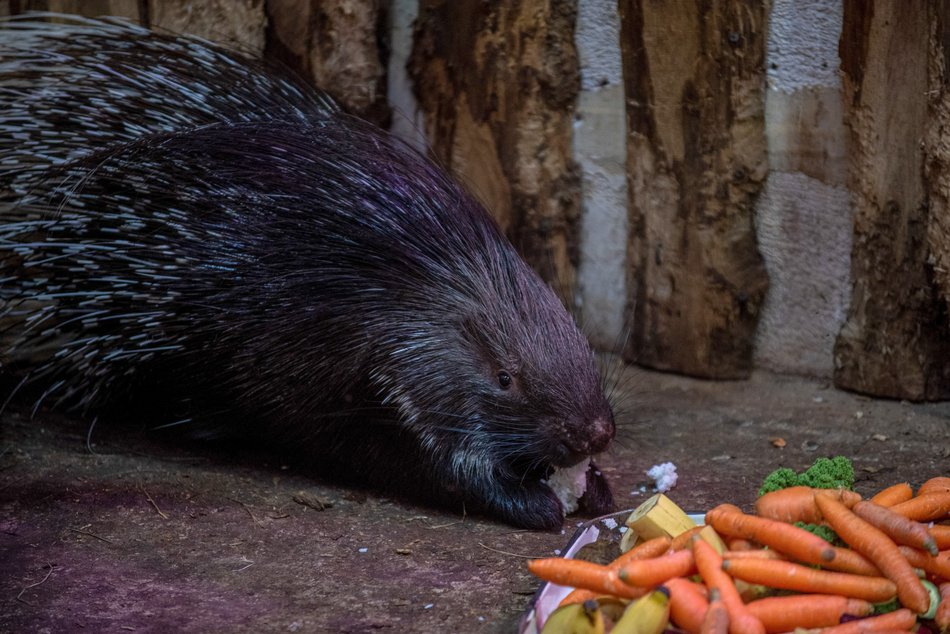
x: 577, y: 618
x: 649, y: 614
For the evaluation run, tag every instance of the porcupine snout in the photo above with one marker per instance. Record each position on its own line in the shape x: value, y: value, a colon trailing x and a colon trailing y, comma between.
x: 581, y: 439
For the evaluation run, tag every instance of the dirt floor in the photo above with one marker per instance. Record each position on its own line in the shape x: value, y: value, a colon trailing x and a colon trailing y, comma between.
x: 142, y: 537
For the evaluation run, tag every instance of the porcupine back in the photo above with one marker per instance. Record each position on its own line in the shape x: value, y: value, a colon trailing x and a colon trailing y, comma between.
x: 185, y: 229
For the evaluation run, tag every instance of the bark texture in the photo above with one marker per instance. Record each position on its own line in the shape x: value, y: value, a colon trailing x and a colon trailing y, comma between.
x: 497, y: 83
x: 696, y: 158
x: 937, y: 148
x: 337, y: 45
x: 896, y: 339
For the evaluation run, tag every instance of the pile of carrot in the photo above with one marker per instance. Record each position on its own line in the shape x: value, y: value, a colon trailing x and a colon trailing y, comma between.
x: 894, y: 539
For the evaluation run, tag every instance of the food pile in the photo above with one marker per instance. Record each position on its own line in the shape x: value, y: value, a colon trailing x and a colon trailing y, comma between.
x: 813, y: 557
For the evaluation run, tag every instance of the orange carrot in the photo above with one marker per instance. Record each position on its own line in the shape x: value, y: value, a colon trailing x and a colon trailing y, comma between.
x: 939, y: 484
x: 894, y: 494
x: 682, y: 540
x: 738, y: 544
x: 925, y: 508
x: 785, y: 614
x: 583, y: 574
x: 646, y: 550
x: 878, y: 547
x: 709, y: 564
x: 785, y: 538
x: 941, y: 534
x: 942, y: 618
x: 578, y: 595
x: 759, y: 553
x: 688, y: 604
x: 797, y: 504
x: 847, y: 560
x: 897, y: 527
x: 938, y: 566
x: 901, y: 620
x: 785, y: 575
x: 648, y: 573
x: 716, y: 620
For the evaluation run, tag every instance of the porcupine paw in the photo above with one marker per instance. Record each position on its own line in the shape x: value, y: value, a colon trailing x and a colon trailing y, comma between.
x: 597, y: 499
x: 529, y: 505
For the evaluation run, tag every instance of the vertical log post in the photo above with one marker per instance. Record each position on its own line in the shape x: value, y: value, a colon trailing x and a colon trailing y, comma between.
x: 696, y: 159
x: 497, y: 83
x: 896, y: 339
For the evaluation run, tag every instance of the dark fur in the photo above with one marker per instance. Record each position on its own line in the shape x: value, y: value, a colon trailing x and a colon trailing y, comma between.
x: 268, y: 264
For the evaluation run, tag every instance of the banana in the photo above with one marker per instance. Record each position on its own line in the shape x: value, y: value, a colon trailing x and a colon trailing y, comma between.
x: 650, y: 614
x: 576, y: 618
x: 657, y: 516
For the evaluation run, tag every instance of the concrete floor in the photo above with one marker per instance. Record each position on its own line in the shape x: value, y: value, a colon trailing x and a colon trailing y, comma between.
x: 142, y: 537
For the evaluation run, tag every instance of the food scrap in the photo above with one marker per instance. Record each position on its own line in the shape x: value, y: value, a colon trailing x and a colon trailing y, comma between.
x: 813, y: 556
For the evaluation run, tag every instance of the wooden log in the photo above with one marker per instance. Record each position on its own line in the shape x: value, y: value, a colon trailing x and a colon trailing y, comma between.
x: 696, y: 158
x: 235, y: 23
x: 497, y: 83
x: 896, y: 340
x: 937, y: 147
x: 335, y: 45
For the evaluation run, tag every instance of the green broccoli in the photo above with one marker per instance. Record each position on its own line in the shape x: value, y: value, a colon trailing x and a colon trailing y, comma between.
x: 829, y: 473
x: 826, y: 473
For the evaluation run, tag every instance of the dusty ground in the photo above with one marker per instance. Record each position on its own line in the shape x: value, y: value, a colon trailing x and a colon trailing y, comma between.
x: 145, y: 537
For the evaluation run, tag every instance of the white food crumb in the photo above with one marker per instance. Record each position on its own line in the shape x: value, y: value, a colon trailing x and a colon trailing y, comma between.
x: 610, y: 523
x: 557, y: 551
x: 569, y: 485
x: 622, y: 529
x: 665, y: 476
x: 364, y: 550
x: 428, y: 606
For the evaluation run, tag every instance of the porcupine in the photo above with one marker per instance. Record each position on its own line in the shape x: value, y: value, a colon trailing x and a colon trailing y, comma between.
x: 189, y: 231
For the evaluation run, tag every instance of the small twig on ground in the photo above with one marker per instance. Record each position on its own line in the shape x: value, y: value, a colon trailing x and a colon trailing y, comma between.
x: 505, y: 552
x: 33, y: 585
x: 82, y: 532
x: 152, y: 502
x: 247, y: 509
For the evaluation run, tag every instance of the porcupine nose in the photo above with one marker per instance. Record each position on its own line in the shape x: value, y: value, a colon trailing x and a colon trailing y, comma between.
x: 589, y: 438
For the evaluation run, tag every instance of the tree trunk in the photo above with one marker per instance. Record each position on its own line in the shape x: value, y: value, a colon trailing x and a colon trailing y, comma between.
x: 497, y: 83
x: 337, y: 46
x: 937, y: 148
x: 696, y: 158
x: 896, y: 340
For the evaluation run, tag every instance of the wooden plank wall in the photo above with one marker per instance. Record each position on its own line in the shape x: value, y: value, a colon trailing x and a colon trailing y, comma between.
x: 497, y: 84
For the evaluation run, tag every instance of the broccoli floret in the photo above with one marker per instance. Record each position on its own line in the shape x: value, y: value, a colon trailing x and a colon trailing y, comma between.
x: 826, y: 473
x: 829, y: 473
x: 779, y: 479
x: 825, y: 532
x: 887, y: 606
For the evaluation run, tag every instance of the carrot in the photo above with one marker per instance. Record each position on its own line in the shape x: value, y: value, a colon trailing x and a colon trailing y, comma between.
x: 878, y: 547
x: 894, y: 494
x: 785, y: 614
x: 897, y: 527
x: 797, y: 504
x: 901, y: 620
x: 935, y: 485
x: 583, y: 574
x: 847, y: 560
x: 938, y: 566
x: 682, y: 540
x: 925, y: 508
x: 760, y: 553
x: 785, y: 538
x: 648, y: 573
x: 716, y: 620
x: 738, y: 544
x: 785, y: 575
x: 578, y: 595
x: 645, y: 550
x: 688, y: 604
x: 942, y: 618
x: 709, y: 564
x: 941, y: 534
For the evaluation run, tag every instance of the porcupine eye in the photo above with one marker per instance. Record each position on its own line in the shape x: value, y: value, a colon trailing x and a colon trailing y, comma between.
x: 504, y: 380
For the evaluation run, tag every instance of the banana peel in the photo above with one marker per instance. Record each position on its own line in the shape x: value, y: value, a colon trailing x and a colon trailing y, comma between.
x: 576, y: 618
x: 650, y: 614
